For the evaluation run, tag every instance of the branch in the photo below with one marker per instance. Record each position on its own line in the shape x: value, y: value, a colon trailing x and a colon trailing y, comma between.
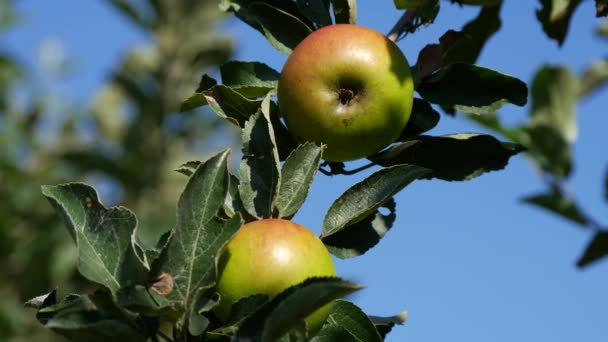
x: 404, y: 25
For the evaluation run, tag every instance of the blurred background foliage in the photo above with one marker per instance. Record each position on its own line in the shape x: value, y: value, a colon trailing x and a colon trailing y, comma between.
x: 126, y: 142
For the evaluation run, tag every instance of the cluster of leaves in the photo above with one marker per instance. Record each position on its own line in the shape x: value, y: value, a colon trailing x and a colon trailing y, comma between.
x: 140, y: 289
x: 173, y: 282
x: 551, y: 129
x: 147, y: 292
x: 126, y: 138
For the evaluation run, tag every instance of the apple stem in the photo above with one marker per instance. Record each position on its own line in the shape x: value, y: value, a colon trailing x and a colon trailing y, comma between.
x: 404, y: 25
x: 345, y: 95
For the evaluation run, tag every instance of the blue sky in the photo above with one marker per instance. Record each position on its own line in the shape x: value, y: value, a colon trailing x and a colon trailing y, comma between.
x: 468, y: 260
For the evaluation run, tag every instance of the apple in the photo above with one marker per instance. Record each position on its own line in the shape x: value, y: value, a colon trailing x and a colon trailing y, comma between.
x: 268, y: 256
x: 348, y: 87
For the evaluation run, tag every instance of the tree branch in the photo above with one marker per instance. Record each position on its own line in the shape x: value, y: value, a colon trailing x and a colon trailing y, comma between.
x: 405, y: 24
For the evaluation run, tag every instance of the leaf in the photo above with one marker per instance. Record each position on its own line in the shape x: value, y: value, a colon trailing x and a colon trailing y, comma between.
x: 455, y: 157
x: 225, y: 102
x: 333, y: 333
x: 601, y: 8
x: 553, y: 119
x: 42, y: 301
x: 275, y: 318
x: 345, y: 11
x: 597, y: 249
x: 422, y: 119
x: 189, y: 262
x: 475, y: 35
x: 316, y: 11
x: 554, y: 96
x: 250, y: 79
x: 472, y: 89
x: 595, y: 77
x: 384, y: 325
x: 106, y: 253
x: 558, y: 204
x: 245, y: 307
x: 188, y: 168
x: 259, y: 171
x: 241, y: 9
x: 410, y: 4
x: 358, y: 238
x: 550, y: 150
x: 296, y: 177
x: 350, y: 317
x: 83, y: 318
x: 555, y: 17
x: 141, y: 299
x: 363, y: 198
x: 283, y: 30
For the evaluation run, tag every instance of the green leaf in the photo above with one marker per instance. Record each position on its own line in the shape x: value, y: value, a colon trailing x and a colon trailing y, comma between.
x: 189, y: 262
x: 83, y: 318
x: 283, y: 30
x: 259, y: 170
x: 225, y: 102
x: 350, y: 317
x: 358, y: 238
x: 241, y: 9
x: 422, y: 119
x: 597, y: 249
x: 316, y: 11
x: 232, y: 203
x: 188, y: 168
x: 345, y: 11
x: 296, y: 177
x: 244, y: 308
x: 559, y: 204
x: 601, y: 8
x: 455, y: 157
x: 103, y: 236
x: 290, y: 307
x: 141, y: 299
x: 550, y: 150
x: 384, y: 325
x: 554, y: 96
x: 555, y: 17
x: 42, y: 301
x: 333, y: 333
x: 410, y: 4
x: 250, y: 79
x: 595, y: 77
x: 476, y: 33
x: 363, y: 198
x: 553, y: 119
x: 472, y: 89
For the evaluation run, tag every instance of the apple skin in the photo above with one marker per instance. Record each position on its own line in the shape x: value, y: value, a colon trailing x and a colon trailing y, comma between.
x: 267, y: 257
x: 346, y: 86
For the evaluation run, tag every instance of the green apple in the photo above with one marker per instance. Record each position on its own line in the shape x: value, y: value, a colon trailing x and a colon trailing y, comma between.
x: 348, y: 87
x: 267, y: 257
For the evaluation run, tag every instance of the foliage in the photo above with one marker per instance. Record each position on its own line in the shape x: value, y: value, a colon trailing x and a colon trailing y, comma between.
x: 139, y: 290
x: 130, y: 140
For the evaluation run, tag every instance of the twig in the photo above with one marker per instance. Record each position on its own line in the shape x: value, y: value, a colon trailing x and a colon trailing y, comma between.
x: 338, y: 169
x: 164, y: 337
x: 403, y: 25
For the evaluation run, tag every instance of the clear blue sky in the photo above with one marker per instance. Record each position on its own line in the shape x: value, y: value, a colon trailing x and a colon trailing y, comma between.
x: 467, y: 260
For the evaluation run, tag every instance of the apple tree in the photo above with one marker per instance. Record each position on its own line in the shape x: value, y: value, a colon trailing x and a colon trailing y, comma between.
x: 170, y: 291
